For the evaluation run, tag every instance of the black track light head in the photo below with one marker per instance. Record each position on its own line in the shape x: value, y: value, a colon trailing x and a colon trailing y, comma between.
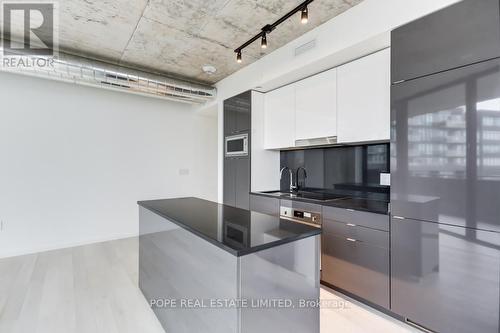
x: 239, y: 59
x: 263, y: 43
x: 304, y: 15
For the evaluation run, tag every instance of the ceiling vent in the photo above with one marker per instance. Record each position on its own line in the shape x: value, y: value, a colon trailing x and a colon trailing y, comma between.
x: 305, y: 47
x: 79, y: 70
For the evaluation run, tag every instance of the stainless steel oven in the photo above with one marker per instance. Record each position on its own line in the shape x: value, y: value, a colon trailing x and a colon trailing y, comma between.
x: 236, y: 145
x: 305, y: 217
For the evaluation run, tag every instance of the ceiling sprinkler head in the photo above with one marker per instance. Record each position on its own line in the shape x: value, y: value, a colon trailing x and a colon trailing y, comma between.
x: 209, y: 69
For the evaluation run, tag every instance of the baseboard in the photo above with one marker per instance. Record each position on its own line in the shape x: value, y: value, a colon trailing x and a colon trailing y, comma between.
x: 67, y: 245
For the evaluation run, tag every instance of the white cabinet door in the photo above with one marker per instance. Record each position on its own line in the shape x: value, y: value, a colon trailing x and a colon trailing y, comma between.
x: 364, y: 87
x: 316, y: 106
x: 279, y: 118
x: 264, y: 163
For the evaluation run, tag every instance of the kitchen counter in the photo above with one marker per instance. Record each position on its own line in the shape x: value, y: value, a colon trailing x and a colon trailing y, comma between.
x: 378, y: 206
x: 206, y: 219
x: 227, y: 270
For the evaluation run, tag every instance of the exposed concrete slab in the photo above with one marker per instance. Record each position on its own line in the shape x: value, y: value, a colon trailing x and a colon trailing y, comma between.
x: 178, y: 37
x: 98, y: 28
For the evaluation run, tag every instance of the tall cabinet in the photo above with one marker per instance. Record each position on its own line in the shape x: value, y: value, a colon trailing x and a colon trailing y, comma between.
x: 445, y: 167
x: 237, y: 120
x: 457, y: 36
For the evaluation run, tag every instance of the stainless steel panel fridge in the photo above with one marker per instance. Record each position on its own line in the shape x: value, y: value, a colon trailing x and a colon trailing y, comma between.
x: 445, y: 167
x: 445, y: 149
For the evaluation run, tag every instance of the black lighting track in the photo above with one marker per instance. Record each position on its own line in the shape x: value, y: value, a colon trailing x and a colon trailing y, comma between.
x: 270, y: 27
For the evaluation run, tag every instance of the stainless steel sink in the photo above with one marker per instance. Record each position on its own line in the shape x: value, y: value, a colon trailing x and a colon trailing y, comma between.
x: 278, y: 193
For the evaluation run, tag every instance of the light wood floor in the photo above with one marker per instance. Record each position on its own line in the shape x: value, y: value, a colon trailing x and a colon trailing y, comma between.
x: 93, y: 289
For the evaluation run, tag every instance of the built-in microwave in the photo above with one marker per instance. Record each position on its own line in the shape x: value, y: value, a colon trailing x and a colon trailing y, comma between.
x: 237, y: 145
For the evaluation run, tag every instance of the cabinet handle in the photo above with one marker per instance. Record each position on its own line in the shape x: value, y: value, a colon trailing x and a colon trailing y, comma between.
x: 351, y: 240
x: 350, y: 210
x: 350, y: 225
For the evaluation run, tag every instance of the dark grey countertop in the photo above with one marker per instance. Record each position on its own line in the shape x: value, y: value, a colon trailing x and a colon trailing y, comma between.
x: 365, y: 204
x: 235, y: 230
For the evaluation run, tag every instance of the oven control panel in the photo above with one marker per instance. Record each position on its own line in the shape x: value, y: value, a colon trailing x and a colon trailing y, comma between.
x: 300, y: 216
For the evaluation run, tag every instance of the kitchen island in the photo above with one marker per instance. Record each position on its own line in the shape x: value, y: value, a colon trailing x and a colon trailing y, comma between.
x: 207, y: 267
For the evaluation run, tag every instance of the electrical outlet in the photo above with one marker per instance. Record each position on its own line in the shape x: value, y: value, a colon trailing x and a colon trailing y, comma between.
x: 184, y: 172
x: 385, y: 179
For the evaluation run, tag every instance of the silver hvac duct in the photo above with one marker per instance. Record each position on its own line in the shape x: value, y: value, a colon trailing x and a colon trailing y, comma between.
x: 79, y: 70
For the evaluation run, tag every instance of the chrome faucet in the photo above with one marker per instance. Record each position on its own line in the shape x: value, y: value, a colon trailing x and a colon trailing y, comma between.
x: 293, y: 188
x: 297, y: 176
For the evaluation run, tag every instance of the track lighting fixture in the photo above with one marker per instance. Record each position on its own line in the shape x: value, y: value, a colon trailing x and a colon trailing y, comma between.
x: 304, y: 15
x: 263, y: 43
x: 304, y: 18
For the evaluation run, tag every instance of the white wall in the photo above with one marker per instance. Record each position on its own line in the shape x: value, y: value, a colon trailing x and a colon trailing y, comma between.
x: 357, y: 32
x: 74, y: 160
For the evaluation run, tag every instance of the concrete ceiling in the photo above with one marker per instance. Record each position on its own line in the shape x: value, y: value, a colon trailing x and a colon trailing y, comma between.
x: 178, y: 37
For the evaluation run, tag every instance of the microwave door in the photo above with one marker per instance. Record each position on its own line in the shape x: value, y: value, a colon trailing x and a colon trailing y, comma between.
x: 237, y: 145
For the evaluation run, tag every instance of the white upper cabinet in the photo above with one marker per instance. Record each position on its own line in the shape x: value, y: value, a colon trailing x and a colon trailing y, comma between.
x: 279, y: 118
x: 363, y: 96
x: 351, y: 102
x: 316, y: 106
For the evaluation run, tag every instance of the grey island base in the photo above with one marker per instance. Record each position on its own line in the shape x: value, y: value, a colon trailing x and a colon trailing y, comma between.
x: 206, y: 267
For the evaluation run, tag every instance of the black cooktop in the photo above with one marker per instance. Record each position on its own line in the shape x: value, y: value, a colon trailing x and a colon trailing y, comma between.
x: 318, y: 196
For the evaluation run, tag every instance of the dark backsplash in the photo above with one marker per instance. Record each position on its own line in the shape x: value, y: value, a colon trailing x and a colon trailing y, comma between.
x: 339, y: 169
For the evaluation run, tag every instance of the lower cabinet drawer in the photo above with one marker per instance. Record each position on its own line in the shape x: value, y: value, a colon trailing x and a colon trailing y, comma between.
x: 356, y: 267
x: 365, y: 219
x: 355, y: 232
